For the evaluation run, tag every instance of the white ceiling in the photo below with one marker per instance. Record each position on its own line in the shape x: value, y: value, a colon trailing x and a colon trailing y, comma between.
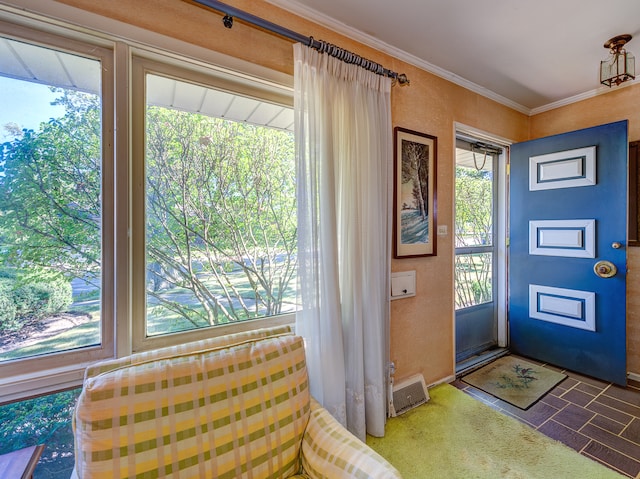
x: 529, y: 54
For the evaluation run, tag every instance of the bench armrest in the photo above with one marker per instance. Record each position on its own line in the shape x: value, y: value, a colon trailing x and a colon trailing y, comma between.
x: 330, y: 451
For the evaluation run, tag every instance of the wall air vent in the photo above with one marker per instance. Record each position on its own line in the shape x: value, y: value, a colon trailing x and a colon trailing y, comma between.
x: 409, y: 393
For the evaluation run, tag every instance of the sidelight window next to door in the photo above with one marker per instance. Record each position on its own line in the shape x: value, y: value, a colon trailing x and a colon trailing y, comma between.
x: 475, y: 248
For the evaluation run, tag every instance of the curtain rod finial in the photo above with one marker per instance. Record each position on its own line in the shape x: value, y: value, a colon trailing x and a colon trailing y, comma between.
x: 403, y: 80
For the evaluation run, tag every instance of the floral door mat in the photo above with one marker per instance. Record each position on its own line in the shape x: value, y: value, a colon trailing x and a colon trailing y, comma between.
x: 515, y: 381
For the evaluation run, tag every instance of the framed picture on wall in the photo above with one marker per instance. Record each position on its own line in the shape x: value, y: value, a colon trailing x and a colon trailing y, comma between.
x: 414, y: 200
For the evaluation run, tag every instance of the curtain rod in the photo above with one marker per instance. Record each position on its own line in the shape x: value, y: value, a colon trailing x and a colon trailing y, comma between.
x: 322, y: 46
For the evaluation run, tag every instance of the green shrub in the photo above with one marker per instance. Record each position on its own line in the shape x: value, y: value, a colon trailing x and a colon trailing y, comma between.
x: 60, y: 296
x: 43, y: 420
x: 8, y: 320
x: 7, y: 273
x: 22, y: 301
x: 38, y: 300
x: 26, y: 299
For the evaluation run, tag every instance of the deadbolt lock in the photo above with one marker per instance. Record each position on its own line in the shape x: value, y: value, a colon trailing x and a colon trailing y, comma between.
x: 605, y: 269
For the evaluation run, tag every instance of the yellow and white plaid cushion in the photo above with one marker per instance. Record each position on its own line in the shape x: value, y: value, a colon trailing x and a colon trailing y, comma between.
x: 231, y: 412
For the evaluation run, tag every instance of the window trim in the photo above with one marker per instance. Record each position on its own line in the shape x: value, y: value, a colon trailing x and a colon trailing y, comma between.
x: 65, y: 365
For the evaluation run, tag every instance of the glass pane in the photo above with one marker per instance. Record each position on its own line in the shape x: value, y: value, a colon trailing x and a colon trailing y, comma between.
x: 220, y: 214
x: 43, y: 420
x: 474, y: 199
x: 50, y: 201
x: 473, y: 279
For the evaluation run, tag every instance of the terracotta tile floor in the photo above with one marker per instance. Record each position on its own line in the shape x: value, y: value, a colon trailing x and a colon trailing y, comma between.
x: 597, y: 419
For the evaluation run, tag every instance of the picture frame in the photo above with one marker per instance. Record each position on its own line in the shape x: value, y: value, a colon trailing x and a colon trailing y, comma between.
x: 414, y: 200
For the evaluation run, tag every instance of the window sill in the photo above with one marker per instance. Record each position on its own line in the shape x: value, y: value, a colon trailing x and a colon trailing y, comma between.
x: 24, y: 386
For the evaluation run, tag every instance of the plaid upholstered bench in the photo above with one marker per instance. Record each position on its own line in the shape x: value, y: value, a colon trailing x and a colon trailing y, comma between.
x: 230, y: 407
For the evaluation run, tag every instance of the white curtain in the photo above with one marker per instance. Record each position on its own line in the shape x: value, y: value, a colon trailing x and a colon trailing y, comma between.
x: 344, y: 173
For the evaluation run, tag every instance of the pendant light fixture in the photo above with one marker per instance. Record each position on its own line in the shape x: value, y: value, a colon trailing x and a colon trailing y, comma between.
x: 620, y: 66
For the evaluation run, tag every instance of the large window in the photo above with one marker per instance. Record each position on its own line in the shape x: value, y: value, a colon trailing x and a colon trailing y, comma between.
x: 52, y: 164
x: 189, y: 231
x: 207, y: 199
x: 218, y: 230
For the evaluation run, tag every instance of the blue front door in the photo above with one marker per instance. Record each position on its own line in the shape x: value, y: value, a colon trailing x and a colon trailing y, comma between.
x: 567, y: 255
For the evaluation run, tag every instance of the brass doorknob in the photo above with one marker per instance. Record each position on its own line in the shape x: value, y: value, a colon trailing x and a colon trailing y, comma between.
x: 605, y: 269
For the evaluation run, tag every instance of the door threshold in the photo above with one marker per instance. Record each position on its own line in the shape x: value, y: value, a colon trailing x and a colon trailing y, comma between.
x: 479, y: 360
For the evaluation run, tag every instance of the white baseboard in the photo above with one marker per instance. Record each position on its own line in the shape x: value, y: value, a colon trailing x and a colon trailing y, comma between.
x: 634, y: 376
x: 448, y: 379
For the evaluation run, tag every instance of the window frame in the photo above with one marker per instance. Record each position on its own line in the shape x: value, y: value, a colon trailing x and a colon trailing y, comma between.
x: 57, y: 370
x: 67, y: 28
x: 206, y: 76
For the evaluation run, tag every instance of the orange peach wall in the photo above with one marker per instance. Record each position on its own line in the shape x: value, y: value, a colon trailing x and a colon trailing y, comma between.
x: 421, y: 327
x: 614, y: 105
x: 617, y: 104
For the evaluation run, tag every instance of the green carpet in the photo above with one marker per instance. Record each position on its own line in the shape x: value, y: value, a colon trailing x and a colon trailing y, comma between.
x: 511, y: 379
x: 455, y: 436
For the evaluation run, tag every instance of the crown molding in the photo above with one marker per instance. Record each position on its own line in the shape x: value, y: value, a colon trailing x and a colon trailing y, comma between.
x: 602, y: 90
x: 567, y: 101
x: 350, y: 32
